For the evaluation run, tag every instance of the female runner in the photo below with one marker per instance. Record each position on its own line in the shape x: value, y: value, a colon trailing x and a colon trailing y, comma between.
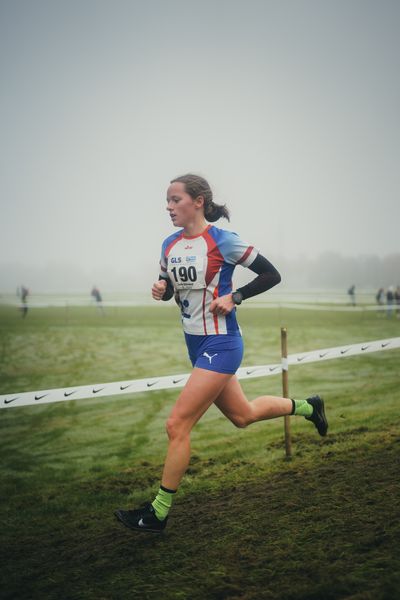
x: 197, y: 263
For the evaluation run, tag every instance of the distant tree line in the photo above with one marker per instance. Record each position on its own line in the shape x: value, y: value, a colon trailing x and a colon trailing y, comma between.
x: 329, y: 270
x: 332, y: 270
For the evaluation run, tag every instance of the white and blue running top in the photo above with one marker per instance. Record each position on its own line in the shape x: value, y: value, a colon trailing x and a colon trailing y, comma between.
x: 200, y: 269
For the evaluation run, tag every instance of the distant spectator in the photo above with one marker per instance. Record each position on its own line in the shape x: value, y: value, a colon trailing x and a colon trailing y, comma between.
x: 352, y: 293
x: 390, y: 300
x: 95, y: 293
x: 379, y: 296
x: 24, y: 292
x: 397, y: 300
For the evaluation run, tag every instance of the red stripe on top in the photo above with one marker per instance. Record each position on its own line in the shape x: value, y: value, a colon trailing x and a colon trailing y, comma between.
x: 215, y: 259
x: 215, y: 295
x: 245, y: 255
x: 204, y: 311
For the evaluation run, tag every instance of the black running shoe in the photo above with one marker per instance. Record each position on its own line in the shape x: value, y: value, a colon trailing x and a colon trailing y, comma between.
x: 142, y: 519
x: 318, y: 416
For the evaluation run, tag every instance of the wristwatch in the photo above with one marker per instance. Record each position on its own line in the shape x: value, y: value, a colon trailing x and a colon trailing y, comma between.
x: 237, y: 297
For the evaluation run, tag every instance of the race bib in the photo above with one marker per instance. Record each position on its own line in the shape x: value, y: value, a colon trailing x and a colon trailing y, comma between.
x: 187, y: 272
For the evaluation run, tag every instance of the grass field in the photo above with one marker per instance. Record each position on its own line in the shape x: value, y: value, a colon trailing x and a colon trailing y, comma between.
x: 247, y: 523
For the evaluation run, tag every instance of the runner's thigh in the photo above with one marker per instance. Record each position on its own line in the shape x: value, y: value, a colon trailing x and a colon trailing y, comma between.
x: 199, y: 393
x: 232, y: 401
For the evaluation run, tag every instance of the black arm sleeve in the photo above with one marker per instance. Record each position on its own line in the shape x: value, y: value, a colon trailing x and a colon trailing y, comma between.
x: 268, y: 276
x: 169, y: 291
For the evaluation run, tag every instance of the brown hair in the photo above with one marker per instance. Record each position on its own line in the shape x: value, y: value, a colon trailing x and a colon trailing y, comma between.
x: 197, y: 186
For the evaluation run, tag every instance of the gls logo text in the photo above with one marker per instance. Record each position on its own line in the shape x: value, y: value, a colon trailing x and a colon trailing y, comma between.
x: 176, y: 259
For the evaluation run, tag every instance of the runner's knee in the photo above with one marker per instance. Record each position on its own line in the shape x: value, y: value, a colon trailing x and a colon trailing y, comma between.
x: 241, y: 421
x: 176, y: 428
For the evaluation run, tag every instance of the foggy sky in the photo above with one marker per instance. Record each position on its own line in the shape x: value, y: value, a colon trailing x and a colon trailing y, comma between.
x: 289, y: 108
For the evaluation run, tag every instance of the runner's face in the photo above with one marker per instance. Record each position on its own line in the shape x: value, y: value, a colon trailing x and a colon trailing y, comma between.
x: 182, y: 209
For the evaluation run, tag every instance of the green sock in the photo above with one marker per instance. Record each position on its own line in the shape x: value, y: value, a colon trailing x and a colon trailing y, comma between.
x: 302, y: 408
x: 162, y: 502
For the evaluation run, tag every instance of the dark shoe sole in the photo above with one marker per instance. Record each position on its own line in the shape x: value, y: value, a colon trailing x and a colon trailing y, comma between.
x: 322, y: 428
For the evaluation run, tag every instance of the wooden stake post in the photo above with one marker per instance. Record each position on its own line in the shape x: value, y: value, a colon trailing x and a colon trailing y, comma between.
x: 285, y: 388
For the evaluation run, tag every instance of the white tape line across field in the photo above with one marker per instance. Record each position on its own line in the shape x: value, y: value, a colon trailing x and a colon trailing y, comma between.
x: 309, y: 305
x: 177, y: 381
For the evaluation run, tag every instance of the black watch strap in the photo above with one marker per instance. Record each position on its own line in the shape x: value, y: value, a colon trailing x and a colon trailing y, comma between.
x: 237, y: 298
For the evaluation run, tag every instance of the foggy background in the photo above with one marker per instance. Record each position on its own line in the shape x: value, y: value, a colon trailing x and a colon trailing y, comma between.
x: 290, y: 109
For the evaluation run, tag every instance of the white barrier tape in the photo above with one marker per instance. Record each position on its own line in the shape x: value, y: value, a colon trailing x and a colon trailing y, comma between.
x: 177, y: 381
x: 331, y: 308
x: 62, y: 304
x: 337, y: 307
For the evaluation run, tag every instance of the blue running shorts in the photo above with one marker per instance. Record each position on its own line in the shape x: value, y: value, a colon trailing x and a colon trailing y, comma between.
x: 220, y: 353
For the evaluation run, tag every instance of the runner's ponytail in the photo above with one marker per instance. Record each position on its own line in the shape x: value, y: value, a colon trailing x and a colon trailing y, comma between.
x: 213, y: 212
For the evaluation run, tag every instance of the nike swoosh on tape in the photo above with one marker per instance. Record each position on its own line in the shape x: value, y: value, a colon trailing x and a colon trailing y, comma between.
x: 364, y: 347
x: 273, y: 369
x: 299, y: 359
x: 322, y: 355
x: 96, y: 391
x: 344, y: 351
x: 384, y: 345
x: 66, y: 394
x: 124, y: 387
x: 177, y: 380
x: 249, y: 372
x: 152, y: 383
x: 6, y: 401
x: 40, y: 397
